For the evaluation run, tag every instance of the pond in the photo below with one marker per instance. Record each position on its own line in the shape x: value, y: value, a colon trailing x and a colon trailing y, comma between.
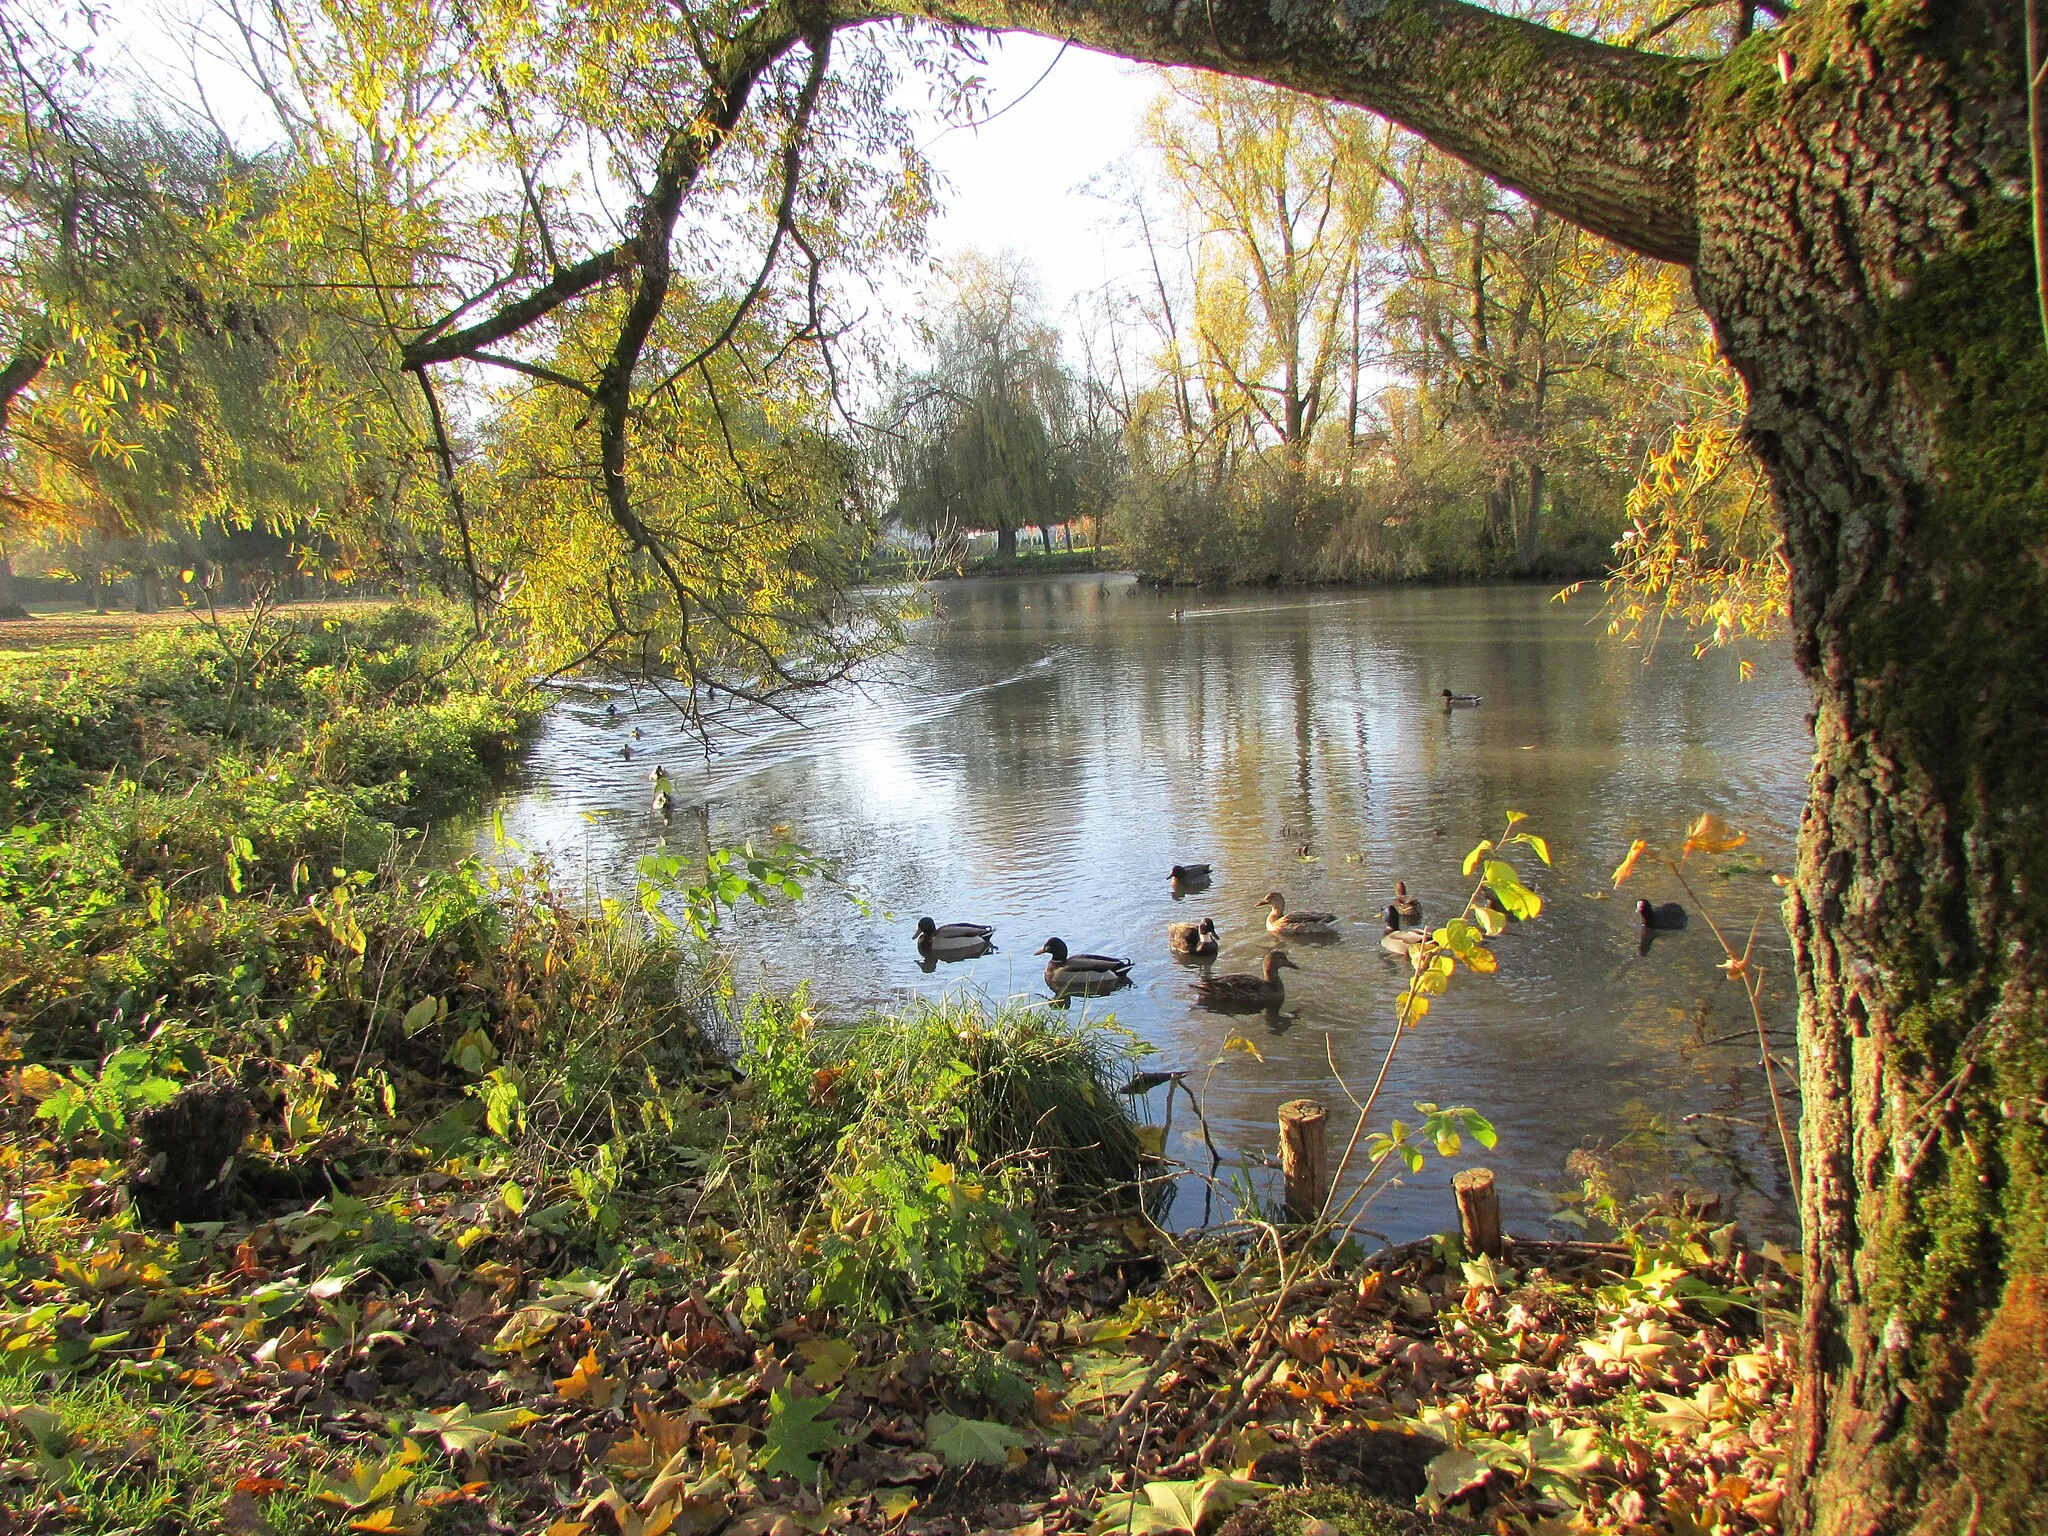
x: 1044, y: 750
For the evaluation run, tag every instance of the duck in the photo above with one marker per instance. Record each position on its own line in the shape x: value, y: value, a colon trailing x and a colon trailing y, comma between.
x: 1066, y: 972
x: 1184, y: 874
x: 1194, y: 938
x: 664, y: 794
x: 1459, y: 700
x: 1398, y: 940
x: 1406, y: 907
x: 1664, y: 915
x: 626, y: 754
x: 1245, y: 991
x: 954, y: 940
x: 635, y: 733
x: 1281, y: 921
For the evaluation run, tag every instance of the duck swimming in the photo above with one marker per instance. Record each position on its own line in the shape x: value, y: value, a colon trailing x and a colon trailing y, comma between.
x: 1067, y: 972
x: 1281, y: 921
x: 1183, y: 874
x: 664, y: 792
x: 1406, y: 907
x: 1242, y: 991
x: 1398, y: 940
x: 1459, y: 700
x: 954, y: 940
x: 1194, y: 938
x: 1666, y: 915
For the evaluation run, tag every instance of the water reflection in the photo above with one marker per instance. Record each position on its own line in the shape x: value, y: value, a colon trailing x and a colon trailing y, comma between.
x: 1046, y: 751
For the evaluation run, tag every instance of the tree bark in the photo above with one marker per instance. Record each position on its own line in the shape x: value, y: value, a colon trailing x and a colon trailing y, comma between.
x: 1866, y: 258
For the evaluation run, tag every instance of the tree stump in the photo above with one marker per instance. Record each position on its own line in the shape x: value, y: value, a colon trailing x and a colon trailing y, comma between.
x: 183, y: 1167
x: 1304, y: 1157
x: 1478, y: 1211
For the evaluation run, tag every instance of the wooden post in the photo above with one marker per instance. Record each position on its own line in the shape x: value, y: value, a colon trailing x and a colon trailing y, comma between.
x: 1478, y: 1211
x: 1304, y: 1157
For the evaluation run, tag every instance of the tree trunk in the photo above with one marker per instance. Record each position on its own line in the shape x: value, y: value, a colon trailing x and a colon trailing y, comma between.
x: 10, y: 605
x: 1529, y: 525
x: 1866, y: 258
x: 1006, y: 542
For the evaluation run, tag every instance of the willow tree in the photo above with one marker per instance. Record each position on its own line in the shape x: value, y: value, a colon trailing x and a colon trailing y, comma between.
x: 990, y: 436
x: 1850, y: 190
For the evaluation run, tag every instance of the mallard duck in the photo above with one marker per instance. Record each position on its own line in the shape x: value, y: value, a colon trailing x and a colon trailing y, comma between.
x: 664, y: 792
x: 1066, y: 972
x: 1194, y: 938
x: 1459, y: 700
x: 961, y: 941
x: 1665, y: 915
x: 1243, y: 991
x: 1281, y: 921
x: 1398, y: 940
x: 1184, y: 874
x: 1406, y: 907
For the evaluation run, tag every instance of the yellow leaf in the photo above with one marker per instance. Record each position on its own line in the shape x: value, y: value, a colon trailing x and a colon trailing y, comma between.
x: 1241, y: 1043
x: 1627, y: 866
x: 830, y: 1360
x: 1710, y: 834
x: 38, y: 1081
x: 588, y: 1380
x: 1413, y: 1006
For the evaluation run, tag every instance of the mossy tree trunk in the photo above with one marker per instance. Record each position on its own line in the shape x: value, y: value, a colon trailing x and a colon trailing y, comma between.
x: 1866, y: 257
x: 1851, y: 189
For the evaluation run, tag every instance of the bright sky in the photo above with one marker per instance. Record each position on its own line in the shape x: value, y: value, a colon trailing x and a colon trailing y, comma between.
x: 1020, y: 180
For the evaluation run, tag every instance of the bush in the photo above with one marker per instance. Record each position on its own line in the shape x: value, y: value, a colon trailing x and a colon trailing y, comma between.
x: 913, y: 1149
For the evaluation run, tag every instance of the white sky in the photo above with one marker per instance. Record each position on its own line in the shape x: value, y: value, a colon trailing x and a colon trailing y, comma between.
x: 1017, y: 182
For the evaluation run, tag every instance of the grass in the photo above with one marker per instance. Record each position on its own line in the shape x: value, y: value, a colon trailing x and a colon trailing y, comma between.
x: 72, y: 628
x: 98, y: 1455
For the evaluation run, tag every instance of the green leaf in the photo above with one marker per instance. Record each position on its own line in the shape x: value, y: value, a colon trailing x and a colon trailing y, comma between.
x: 1454, y: 1472
x: 1541, y: 848
x: 797, y: 1436
x: 1493, y: 922
x: 1193, y: 1503
x: 463, y: 1433
x: 966, y: 1442
x: 1517, y: 898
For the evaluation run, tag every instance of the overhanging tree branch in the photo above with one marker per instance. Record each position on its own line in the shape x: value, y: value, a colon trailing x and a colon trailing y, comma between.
x: 1510, y: 98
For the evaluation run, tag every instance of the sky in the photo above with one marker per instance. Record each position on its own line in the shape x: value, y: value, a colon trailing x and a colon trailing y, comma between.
x: 1054, y: 121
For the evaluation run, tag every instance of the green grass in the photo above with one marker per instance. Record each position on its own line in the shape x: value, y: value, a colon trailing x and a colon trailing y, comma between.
x: 100, y: 1456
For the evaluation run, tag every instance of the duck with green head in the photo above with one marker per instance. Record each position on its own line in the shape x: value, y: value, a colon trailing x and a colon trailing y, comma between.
x: 1068, y: 972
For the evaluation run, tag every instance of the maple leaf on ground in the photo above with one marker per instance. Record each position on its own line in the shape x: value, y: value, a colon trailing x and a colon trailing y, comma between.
x: 965, y: 1442
x: 797, y: 1436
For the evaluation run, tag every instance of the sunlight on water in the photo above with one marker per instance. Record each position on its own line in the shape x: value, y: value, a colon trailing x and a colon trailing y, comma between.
x: 1045, y: 750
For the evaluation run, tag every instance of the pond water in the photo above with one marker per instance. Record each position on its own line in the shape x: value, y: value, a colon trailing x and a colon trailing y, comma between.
x: 1044, y: 750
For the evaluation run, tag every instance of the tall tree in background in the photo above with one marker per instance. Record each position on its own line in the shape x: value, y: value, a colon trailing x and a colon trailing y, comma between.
x: 1503, y: 317
x: 1265, y: 184
x: 992, y: 434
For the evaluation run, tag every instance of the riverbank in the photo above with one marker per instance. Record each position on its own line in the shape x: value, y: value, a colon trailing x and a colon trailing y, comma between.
x: 348, y: 1190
